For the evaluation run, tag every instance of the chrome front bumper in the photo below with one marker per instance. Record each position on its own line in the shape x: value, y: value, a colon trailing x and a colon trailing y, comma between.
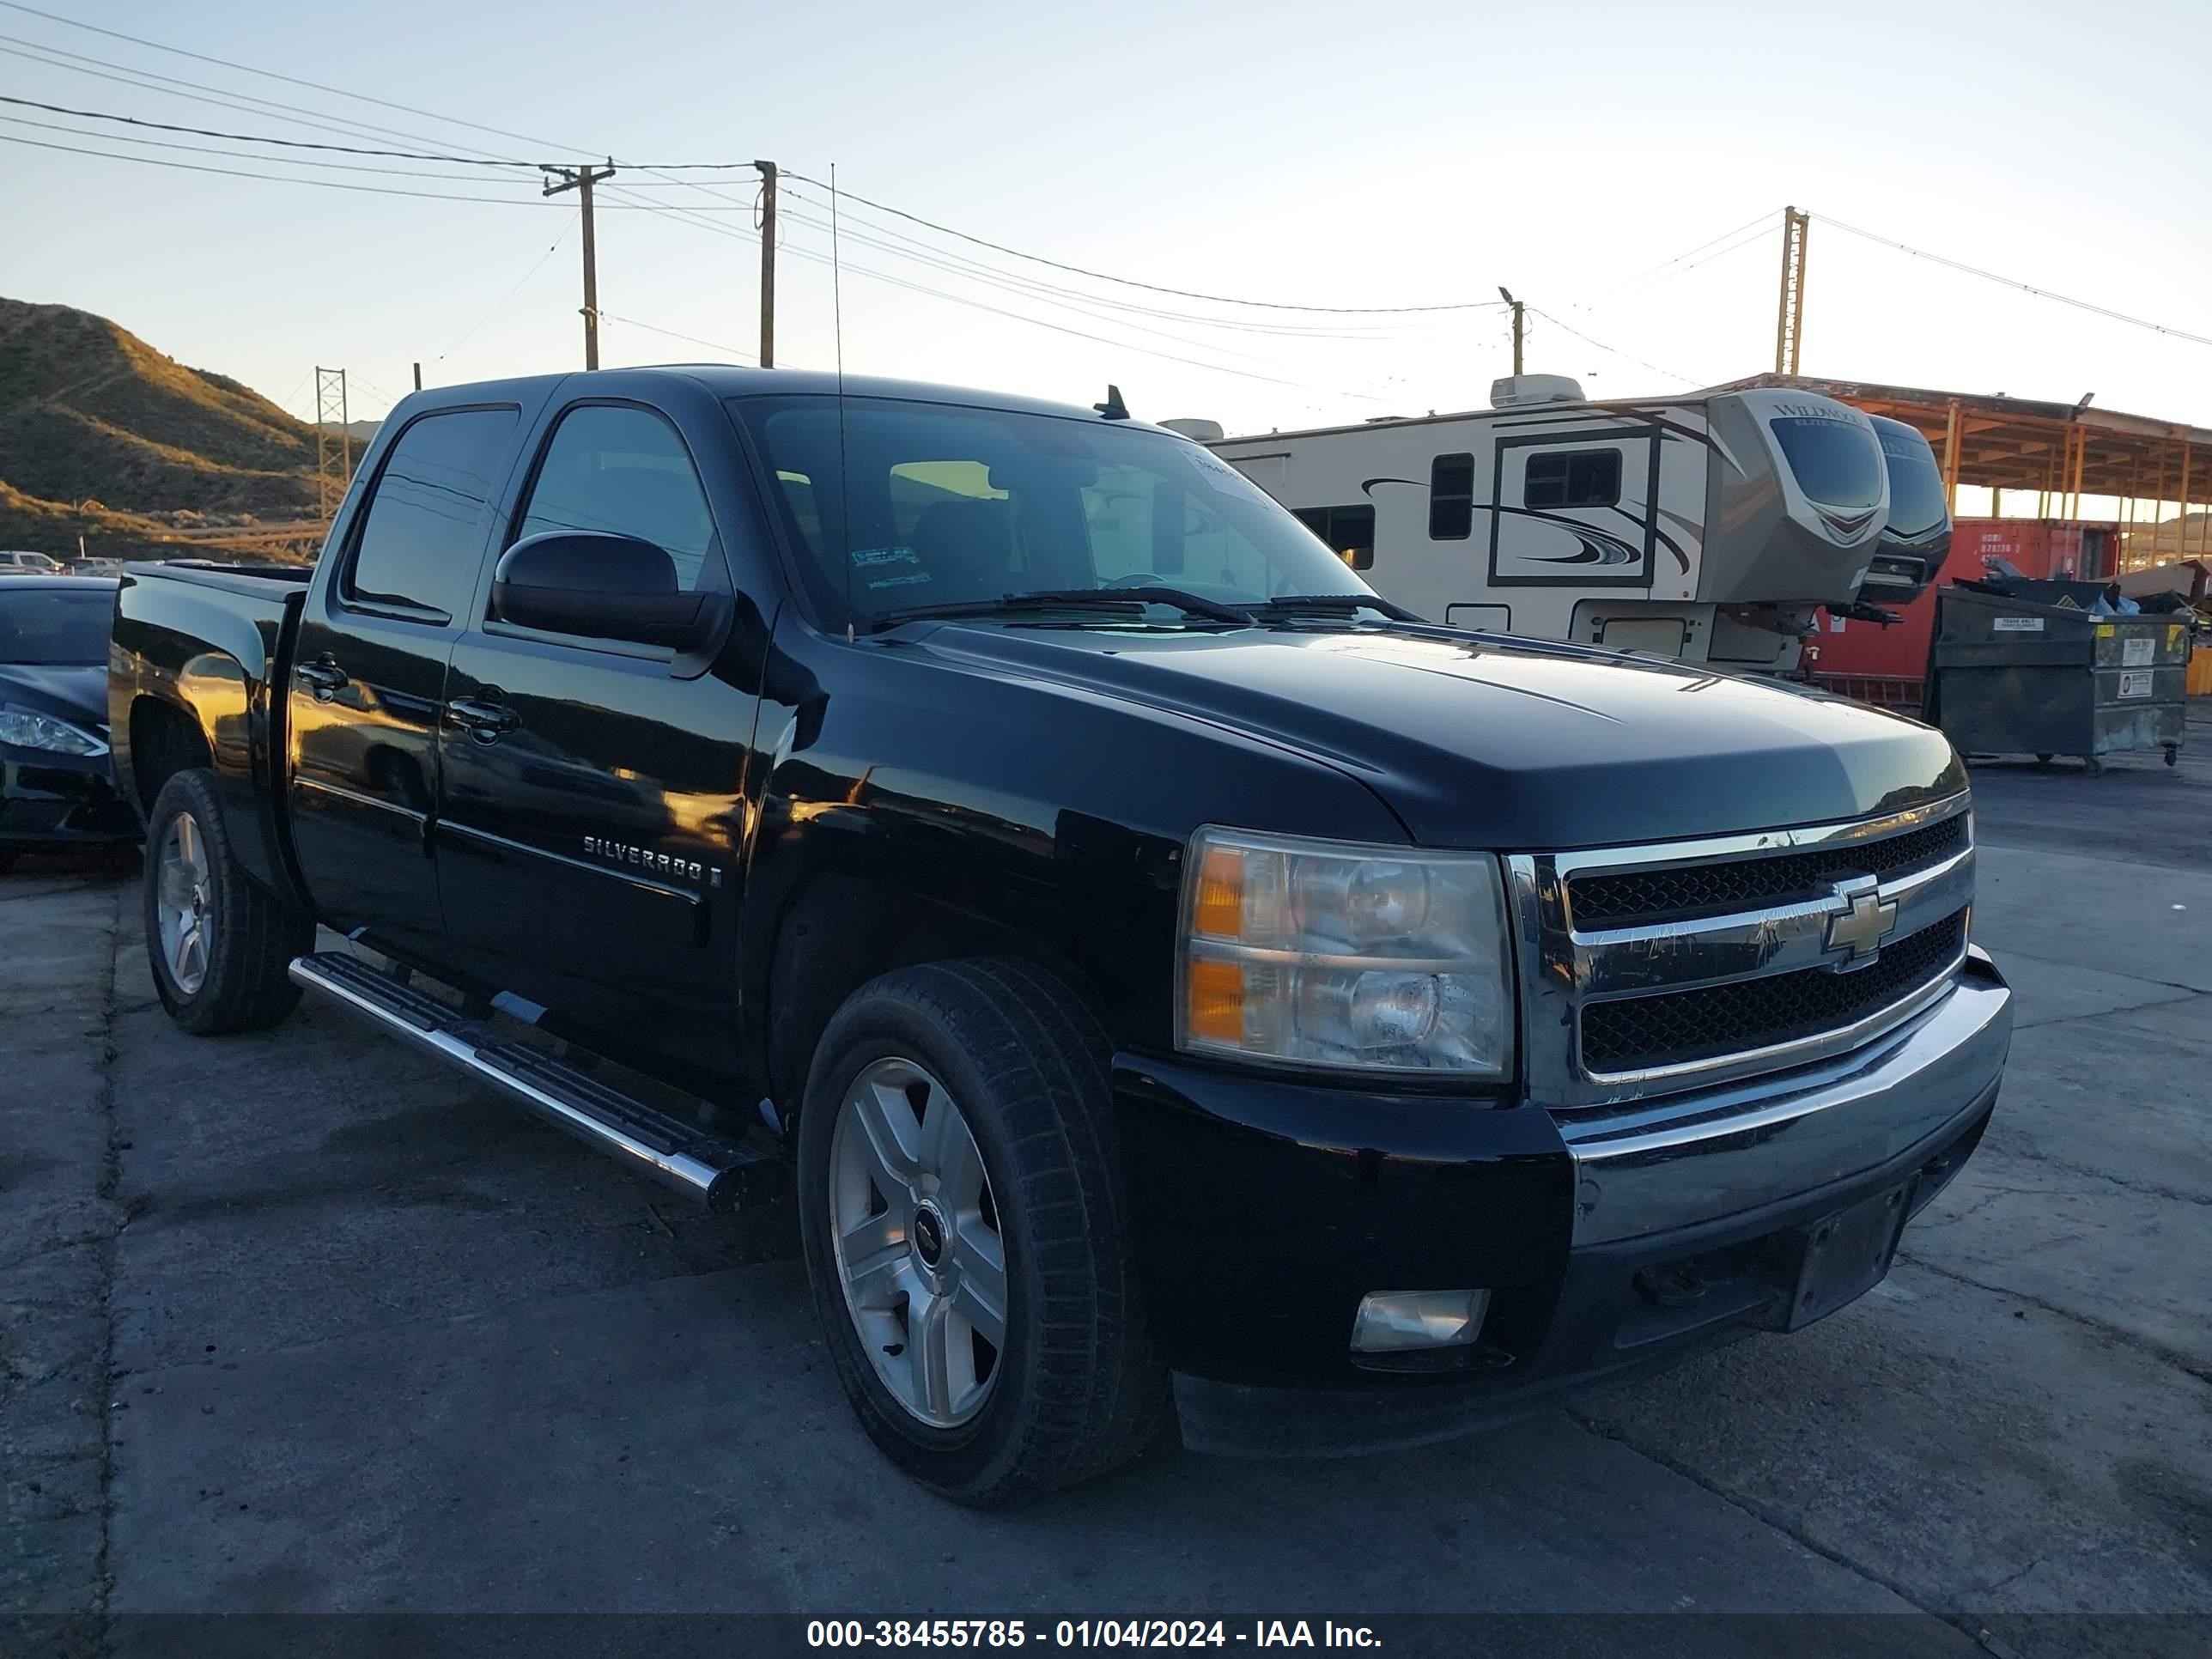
x: 1724, y: 1152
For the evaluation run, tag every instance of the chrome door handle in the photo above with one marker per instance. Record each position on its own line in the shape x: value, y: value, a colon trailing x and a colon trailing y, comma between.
x: 324, y: 678
x: 483, y: 721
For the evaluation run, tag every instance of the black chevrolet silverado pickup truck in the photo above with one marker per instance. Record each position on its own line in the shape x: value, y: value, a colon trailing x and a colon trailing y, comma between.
x: 1174, y: 980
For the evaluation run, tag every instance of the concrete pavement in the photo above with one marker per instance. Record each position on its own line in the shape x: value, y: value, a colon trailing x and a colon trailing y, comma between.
x: 298, y: 1323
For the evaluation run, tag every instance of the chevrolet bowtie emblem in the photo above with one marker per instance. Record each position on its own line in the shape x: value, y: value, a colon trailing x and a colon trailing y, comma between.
x: 1857, y: 930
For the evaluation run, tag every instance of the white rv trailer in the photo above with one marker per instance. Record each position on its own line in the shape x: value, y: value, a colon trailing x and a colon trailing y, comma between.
x: 1707, y: 527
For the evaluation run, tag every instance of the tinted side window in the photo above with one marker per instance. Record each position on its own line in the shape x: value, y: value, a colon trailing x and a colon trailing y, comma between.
x: 422, y: 533
x: 1349, y: 531
x: 1585, y: 477
x: 625, y: 471
x: 1451, y: 498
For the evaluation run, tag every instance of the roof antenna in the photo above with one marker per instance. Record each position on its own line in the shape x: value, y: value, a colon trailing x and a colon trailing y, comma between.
x: 1113, y: 409
x: 844, y: 486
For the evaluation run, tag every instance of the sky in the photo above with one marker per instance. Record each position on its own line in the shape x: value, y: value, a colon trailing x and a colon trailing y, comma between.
x: 1622, y: 168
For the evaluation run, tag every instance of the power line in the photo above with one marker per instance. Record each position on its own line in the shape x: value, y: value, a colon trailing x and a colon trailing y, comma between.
x: 1128, y: 281
x: 237, y: 154
x: 1007, y: 282
x: 354, y: 149
x: 662, y: 168
x: 258, y: 138
x: 680, y: 215
x: 351, y: 127
x: 244, y: 68
x: 170, y: 86
x: 552, y: 248
x: 1752, y: 240
x: 1758, y: 222
x: 1034, y: 322
x: 1613, y: 351
x: 953, y: 261
x: 278, y: 178
x: 2014, y: 283
x: 651, y: 328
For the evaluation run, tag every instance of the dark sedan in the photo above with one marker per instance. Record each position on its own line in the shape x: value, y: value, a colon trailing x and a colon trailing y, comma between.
x: 57, y: 781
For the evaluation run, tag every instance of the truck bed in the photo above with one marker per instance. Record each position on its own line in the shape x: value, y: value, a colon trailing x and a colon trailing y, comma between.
x: 200, y: 658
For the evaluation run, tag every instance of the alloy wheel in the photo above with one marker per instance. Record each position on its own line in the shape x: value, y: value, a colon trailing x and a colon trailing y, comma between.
x: 185, y: 903
x: 918, y: 1251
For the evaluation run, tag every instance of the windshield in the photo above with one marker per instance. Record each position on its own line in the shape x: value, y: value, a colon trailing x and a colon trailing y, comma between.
x: 1836, y: 462
x: 1916, y: 486
x: 55, y: 627
x: 914, y: 505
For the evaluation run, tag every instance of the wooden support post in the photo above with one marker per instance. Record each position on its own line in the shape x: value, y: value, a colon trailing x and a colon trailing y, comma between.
x: 2181, y: 523
x: 1951, y: 459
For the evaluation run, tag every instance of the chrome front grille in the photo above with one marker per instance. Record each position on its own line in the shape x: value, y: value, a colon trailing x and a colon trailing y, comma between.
x: 1655, y: 968
x: 1677, y: 891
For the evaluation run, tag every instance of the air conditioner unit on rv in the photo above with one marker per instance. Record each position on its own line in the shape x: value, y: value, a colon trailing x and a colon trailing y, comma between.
x: 1513, y: 391
x: 1204, y: 432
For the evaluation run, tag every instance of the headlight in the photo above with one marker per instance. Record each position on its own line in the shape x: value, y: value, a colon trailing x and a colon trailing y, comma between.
x: 26, y: 730
x: 1325, y: 954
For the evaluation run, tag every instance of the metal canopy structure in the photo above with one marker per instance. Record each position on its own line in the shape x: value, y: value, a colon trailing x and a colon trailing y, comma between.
x: 2061, y: 450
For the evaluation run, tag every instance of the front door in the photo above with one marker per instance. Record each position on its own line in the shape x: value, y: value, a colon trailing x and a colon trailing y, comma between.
x: 591, y: 834
x: 369, y: 673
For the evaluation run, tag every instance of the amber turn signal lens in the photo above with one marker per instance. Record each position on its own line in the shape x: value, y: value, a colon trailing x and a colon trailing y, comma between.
x: 1216, y: 991
x: 1221, y: 893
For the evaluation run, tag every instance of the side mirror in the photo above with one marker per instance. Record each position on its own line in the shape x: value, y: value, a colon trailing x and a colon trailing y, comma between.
x: 602, y: 586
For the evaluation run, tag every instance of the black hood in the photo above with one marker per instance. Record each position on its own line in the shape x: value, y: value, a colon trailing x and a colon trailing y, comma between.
x: 1482, y: 743
x: 77, y: 695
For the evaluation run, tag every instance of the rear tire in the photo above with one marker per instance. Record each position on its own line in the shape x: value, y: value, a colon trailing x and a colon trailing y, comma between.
x: 1072, y: 1387
x: 219, y: 943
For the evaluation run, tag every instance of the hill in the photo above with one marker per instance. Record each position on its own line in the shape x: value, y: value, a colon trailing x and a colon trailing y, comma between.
x: 104, y: 437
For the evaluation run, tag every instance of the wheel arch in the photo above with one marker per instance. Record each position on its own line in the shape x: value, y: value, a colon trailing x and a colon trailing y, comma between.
x: 839, y: 931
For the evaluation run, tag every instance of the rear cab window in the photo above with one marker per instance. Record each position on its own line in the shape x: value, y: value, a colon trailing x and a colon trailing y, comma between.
x: 421, y: 531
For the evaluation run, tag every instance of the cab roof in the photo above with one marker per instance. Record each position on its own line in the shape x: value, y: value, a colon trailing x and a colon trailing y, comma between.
x: 729, y: 380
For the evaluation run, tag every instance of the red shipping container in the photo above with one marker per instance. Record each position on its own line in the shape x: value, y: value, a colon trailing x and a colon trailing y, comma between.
x: 2038, y: 548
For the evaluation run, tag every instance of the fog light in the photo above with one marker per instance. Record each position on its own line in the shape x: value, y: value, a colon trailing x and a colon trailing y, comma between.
x: 1392, y: 1322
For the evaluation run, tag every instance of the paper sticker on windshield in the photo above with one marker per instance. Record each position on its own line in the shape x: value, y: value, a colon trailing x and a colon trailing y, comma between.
x: 1222, y: 476
x: 865, y: 557
x: 910, y: 579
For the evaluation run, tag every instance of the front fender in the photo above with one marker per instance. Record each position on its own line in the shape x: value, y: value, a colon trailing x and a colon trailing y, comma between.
x: 985, y: 810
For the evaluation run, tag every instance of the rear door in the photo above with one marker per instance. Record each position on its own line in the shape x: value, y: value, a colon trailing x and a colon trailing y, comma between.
x: 592, y: 831
x: 369, y: 670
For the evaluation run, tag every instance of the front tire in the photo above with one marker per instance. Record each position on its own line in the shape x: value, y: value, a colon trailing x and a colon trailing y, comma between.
x: 220, y: 944
x: 982, y: 1313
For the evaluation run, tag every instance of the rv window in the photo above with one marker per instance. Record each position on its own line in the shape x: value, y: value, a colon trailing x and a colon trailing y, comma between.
x: 1834, y: 463
x: 1349, y: 531
x: 1577, y: 477
x: 1451, y: 498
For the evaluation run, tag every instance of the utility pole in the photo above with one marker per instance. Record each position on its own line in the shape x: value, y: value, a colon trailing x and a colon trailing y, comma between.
x: 580, y: 180
x: 1789, y: 319
x: 1519, y: 323
x: 332, y: 440
x: 767, y: 264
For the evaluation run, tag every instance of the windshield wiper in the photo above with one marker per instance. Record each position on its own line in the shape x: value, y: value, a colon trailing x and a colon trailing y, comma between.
x: 1332, y: 604
x: 1121, y: 601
